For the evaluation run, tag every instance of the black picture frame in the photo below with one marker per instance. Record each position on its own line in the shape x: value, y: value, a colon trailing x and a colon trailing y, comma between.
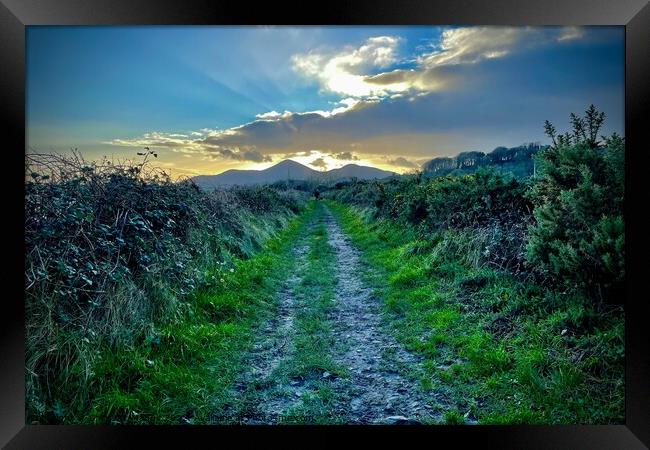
x: 16, y: 15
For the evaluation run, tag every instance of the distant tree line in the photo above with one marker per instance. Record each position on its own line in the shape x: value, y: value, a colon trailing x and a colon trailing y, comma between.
x: 517, y: 160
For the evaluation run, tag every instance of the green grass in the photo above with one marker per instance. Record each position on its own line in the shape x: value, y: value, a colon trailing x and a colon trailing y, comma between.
x: 184, y: 370
x: 502, y: 351
x: 314, y: 340
x: 499, y: 351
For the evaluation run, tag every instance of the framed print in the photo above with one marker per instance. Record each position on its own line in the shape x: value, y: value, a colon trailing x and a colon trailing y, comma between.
x: 257, y: 223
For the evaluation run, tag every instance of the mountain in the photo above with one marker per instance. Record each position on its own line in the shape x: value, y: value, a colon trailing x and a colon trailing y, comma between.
x: 288, y: 170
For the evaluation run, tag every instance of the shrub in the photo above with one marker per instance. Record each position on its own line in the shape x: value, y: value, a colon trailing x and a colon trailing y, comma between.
x: 489, y: 205
x: 113, y: 249
x: 579, y: 230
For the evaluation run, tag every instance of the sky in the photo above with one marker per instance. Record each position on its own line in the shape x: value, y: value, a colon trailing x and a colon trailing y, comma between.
x: 213, y: 98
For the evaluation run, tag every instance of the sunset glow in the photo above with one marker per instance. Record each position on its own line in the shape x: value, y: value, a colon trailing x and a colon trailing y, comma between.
x: 209, y: 99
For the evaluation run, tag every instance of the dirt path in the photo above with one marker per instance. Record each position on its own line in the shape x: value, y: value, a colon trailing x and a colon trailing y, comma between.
x: 378, y: 381
x: 383, y: 385
x: 264, y: 392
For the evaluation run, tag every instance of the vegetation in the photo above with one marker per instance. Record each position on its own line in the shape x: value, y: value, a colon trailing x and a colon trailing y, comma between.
x: 579, y: 231
x: 144, y: 295
x: 564, y: 227
x: 518, y: 161
x: 507, y: 288
x: 489, y: 210
x: 117, y: 252
x: 503, y: 350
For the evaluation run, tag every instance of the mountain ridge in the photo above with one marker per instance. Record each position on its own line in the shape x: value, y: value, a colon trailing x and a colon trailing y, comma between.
x: 288, y: 170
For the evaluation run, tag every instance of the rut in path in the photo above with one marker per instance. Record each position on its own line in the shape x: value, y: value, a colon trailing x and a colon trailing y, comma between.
x: 266, y: 396
x: 379, y: 389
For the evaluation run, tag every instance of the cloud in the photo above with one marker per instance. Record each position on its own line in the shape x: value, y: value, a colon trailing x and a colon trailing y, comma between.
x: 319, y: 162
x: 570, y: 33
x: 273, y: 115
x: 418, y: 80
x: 174, y: 141
x: 471, y: 45
x: 355, y: 71
x: 379, y: 51
x: 204, y: 142
x: 301, y: 154
x: 236, y: 154
x: 402, y: 162
x: 346, y: 156
x: 474, y: 44
x: 344, y: 72
x: 244, y: 155
x: 454, y: 97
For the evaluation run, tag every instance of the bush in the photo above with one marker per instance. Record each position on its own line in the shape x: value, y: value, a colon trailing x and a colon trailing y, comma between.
x: 564, y: 226
x: 489, y: 205
x: 579, y: 233
x: 114, y: 249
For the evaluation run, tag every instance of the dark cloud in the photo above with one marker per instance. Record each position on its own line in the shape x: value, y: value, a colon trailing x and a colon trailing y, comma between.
x: 348, y: 156
x: 243, y: 155
x: 319, y: 162
x: 489, y: 98
x: 254, y: 155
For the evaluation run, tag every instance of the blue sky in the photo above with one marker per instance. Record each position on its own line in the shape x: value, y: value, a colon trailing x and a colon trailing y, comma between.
x: 213, y: 98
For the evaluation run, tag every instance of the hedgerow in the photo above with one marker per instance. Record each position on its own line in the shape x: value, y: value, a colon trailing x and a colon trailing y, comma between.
x: 112, y: 249
x: 509, y: 289
x: 563, y: 227
x: 490, y: 205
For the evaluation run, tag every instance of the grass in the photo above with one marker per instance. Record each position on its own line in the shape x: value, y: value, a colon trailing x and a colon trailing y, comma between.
x: 503, y: 351
x: 115, y: 253
x: 183, y: 371
x: 314, y: 340
x: 500, y: 351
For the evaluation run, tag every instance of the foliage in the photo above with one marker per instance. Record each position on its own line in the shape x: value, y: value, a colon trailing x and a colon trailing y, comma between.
x: 579, y: 234
x: 111, y: 251
x: 564, y: 226
x: 499, y: 282
x: 489, y: 204
x: 516, y: 160
x: 183, y: 371
x: 495, y: 349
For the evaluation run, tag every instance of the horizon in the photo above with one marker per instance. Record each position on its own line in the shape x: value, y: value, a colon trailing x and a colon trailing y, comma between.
x: 209, y: 99
x: 294, y: 161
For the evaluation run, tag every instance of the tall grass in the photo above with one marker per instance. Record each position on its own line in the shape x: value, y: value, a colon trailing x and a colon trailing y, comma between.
x: 113, y: 252
x: 502, y: 349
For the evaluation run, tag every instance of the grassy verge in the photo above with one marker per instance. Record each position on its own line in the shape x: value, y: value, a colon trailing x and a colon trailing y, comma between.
x: 183, y: 370
x: 313, y: 333
x: 502, y: 351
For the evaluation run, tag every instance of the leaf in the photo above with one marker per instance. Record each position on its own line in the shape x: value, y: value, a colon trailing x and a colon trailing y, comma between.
x: 58, y: 409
